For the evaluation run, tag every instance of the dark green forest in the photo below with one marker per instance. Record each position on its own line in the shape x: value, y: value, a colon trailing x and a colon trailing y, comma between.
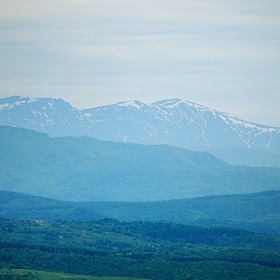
x: 149, y: 250
x: 258, y: 212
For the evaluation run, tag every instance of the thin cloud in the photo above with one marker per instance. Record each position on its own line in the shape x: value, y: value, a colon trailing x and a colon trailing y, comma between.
x: 113, y: 50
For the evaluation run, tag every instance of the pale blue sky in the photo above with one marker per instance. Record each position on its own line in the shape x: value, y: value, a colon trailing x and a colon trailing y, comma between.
x: 221, y: 54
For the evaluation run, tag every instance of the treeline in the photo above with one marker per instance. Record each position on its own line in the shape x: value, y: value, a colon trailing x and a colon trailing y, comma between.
x: 158, y: 268
x: 147, y: 250
x: 258, y: 212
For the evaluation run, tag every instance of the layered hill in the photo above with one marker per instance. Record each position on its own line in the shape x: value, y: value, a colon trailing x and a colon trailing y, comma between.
x: 174, y: 122
x: 258, y: 212
x: 86, y: 169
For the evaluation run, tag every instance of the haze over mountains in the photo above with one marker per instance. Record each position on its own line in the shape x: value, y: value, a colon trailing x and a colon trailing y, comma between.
x: 257, y: 212
x: 86, y: 169
x: 174, y: 122
x: 125, y: 209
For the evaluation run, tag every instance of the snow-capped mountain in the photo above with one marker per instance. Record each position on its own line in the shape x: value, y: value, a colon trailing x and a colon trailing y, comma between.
x: 53, y: 116
x: 175, y: 122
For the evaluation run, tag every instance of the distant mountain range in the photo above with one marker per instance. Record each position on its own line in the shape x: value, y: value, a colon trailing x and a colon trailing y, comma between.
x: 86, y: 169
x: 174, y: 122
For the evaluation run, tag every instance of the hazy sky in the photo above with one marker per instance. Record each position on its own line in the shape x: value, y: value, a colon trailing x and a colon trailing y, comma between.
x: 222, y: 54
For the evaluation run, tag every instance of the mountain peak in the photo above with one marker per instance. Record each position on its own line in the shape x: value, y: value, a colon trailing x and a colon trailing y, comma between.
x: 175, y: 122
x: 11, y: 102
x: 132, y: 103
x: 176, y: 103
x: 169, y: 102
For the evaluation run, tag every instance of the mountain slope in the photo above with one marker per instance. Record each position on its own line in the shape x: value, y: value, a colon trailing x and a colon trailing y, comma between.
x: 250, y: 157
x: 83, y: 168
x: 28, y: 207
x: 179, y: 123
x: 174, y: 122
x: 53, y: 116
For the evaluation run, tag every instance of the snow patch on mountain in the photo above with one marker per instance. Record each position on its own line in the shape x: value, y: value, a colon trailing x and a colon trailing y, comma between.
x: 174, y: 121
x: 132, y: 103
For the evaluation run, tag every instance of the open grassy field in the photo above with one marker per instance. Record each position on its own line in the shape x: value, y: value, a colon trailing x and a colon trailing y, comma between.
x: 28, y: 274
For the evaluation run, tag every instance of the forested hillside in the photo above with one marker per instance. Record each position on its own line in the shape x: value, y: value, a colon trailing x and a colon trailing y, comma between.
x: 139, y: 249
x: 258, y: 212
x: 86, y: 169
